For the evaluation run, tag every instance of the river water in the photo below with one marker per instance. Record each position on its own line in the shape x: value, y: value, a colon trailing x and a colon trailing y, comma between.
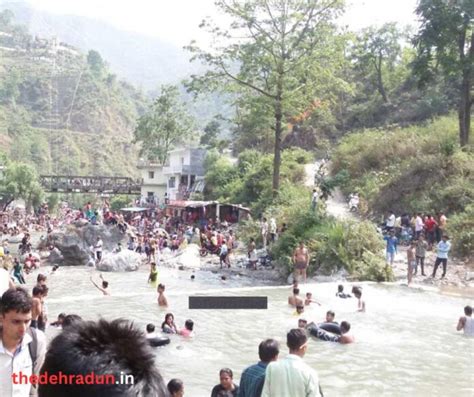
x: 407, y: 344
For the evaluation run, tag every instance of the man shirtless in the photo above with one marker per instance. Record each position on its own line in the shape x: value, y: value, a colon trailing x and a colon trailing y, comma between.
x: 301, y: 261
x: 295, y: 300
x: 105, y: 286
x: 37, y: 307
x: 162, y: 301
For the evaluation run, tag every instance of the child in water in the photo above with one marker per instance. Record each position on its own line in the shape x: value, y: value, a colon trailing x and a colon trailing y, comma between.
x: 360, y: 303
x: 187, y: 331
x: 162, y: 301
x: 309, y: 299
x: 153, y: 277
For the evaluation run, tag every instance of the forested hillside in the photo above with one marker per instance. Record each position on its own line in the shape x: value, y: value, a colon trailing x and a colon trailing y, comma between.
x: 63, y: 110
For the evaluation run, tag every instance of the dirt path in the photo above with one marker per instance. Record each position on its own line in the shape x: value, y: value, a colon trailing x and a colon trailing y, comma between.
x: 459, y: 273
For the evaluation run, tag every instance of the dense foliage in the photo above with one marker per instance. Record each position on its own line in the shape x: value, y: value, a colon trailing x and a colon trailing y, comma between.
x: 250, y: 181
x: 418, y: 168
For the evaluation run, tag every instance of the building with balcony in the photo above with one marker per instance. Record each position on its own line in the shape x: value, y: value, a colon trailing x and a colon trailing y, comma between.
x: 154, y: 182
x: 184, y: 172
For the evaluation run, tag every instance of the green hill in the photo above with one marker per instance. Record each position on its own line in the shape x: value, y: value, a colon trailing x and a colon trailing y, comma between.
x: 62, y: 110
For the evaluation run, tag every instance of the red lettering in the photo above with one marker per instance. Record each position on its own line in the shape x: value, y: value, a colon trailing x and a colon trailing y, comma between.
x: 34, y: 379
x: 89, y: 378
x: 99, y: 379
x: 110, y: 379
x: 79, y: 379
x: 53, y: 379
x: 43, y: 379
x: 62, y: 378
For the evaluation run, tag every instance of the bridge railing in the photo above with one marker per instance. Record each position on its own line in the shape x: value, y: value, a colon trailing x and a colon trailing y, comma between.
x: 90, y: 184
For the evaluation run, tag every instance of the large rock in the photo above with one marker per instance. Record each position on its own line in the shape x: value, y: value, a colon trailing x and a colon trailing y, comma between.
x: 188, y: 258
x: 75, y: 241
x: 124, y: 261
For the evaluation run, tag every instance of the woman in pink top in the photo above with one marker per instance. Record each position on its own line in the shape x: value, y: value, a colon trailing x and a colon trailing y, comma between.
x: 188, y: 329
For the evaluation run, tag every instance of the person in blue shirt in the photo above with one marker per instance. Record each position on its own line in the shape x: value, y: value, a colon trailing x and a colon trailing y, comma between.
x: 391, y: 250
x: 442, y: 256
x: 253, y: 377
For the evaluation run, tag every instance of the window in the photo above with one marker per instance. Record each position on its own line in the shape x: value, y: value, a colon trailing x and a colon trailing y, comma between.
x: 171, y: 181
x: 151, y: 174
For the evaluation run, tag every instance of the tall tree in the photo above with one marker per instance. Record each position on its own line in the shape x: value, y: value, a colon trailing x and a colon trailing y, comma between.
x: 165, y: 125
x: 445, y: 44
x: 271, y: 48
x: 376, y: 51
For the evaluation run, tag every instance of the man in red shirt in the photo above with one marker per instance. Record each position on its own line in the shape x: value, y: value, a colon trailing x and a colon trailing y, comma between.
x: 430, y: 227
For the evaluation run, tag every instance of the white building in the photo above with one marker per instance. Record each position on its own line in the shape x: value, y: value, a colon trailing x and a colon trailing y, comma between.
x: 182, y: 175
x: 154, y: 183
x: 184, y: 172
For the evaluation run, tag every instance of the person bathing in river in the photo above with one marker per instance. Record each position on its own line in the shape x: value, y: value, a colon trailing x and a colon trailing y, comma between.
x: 301, y: 260
x: 168, y: 326
x: 344, y: 338
x: 162, y: 301
x: 340, y: 292
x: 105, y: 286
x: 466, y: 323
x: 295, y: 300
x: 360, y: 302
x: 153, y: 277
x: 309, y: 299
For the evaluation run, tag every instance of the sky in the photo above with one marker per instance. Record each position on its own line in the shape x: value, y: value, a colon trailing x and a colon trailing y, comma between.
x: 177, y: 21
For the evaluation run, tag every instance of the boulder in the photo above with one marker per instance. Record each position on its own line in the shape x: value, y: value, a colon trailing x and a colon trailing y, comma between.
x: 124, y: 261
x: 187, y: 258
x: 75, y: 241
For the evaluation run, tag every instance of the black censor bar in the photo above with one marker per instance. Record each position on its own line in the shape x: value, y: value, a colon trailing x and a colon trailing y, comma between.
x: 228, y: 302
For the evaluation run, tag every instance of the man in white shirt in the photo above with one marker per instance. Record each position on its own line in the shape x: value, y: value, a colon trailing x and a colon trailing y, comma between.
x: 98, y: 249
x: 418, y: 226
x: 291, y: 376
x: 21, y: 352
x: 390, y: 221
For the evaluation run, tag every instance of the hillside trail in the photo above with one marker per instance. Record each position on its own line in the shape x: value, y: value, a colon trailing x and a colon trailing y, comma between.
x: 459, y: 274
x: 336, y: 204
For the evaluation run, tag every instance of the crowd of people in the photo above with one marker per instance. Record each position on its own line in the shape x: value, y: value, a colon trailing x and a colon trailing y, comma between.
x: 119, y: 347
x: 422, y: 233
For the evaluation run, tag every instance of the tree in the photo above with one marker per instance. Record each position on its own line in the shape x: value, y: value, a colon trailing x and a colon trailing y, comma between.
x: 275, y: 49
x: 211, y: 132
x: 376, y: 51
x: 21, y: 182
x: 96, y: 63
x: 445, y: 44
x: 165, y: 125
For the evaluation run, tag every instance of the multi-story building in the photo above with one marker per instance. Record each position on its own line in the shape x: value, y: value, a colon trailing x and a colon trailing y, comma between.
x: 182, y: 175
x: 184, y: 172
x: 154, y: 183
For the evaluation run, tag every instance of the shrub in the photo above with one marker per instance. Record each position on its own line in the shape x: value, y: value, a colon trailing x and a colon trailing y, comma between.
x: 461, y: 232
x: 334, y: 245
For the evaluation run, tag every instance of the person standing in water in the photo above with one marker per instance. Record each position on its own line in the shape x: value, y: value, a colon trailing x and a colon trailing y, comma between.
x: 153, y: 277
x: 301, y: 261
x: 162, y: 301
x: 360, y: 302
x: 466, y: 323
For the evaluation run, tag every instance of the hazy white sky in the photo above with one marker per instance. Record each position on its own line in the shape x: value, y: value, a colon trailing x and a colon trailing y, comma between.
x: 177, y: 21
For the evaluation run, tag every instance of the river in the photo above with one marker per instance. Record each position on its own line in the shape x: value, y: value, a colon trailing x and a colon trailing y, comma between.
x: 406, y: 345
